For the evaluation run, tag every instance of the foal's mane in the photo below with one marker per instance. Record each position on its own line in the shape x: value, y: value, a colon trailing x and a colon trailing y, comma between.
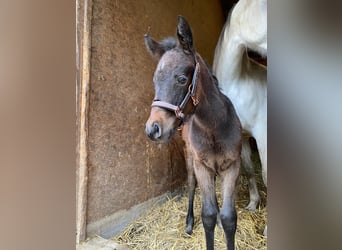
x: 211, y: 72
x: 168, y: 43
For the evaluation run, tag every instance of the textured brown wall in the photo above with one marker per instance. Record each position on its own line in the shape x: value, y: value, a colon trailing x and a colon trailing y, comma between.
x: 125, y: 168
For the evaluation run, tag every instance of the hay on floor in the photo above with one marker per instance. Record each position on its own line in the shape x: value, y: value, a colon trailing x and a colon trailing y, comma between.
x: 163, y: 227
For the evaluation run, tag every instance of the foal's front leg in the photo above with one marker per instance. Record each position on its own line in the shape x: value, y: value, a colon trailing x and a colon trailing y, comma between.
x: 191, y: 186
x: 228, y: 211
x: 206, y: 182
x: 191, y: 179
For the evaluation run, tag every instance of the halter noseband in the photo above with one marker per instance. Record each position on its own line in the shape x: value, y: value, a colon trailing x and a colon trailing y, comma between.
x: 191, y: 93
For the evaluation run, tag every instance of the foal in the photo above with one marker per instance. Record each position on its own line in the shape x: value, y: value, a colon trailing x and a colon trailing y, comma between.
x: 187, y: 94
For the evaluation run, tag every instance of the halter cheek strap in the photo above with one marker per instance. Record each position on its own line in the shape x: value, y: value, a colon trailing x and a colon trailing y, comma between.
x: 191, y: 93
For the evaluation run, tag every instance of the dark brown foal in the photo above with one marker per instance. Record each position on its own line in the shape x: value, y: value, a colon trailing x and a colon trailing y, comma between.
x: 187, y: 94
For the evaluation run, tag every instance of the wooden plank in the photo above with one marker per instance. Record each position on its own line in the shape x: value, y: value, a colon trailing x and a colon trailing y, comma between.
x: 81, y: 212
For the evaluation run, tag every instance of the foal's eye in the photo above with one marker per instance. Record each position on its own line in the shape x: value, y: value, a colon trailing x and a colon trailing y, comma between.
x: 182, y: 80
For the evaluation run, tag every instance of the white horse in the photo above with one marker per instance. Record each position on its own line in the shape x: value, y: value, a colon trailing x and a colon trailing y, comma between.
x: 244, y: 81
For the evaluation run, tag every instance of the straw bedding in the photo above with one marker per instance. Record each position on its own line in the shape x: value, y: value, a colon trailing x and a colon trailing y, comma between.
x: 163, y: 227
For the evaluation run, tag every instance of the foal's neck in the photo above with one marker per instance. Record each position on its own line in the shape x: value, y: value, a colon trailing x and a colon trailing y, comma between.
x: 208, y: 95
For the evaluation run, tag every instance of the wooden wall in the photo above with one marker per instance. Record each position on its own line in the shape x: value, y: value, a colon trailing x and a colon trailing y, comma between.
x: 120, y: 166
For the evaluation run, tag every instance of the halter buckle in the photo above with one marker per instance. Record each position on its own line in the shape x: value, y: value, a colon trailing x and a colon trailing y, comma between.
x: 194, y: 100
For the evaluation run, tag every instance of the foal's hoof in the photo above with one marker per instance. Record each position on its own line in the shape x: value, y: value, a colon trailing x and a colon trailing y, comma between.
x: 188, y: 229
x: 218, y: 221
x: 189, y: 224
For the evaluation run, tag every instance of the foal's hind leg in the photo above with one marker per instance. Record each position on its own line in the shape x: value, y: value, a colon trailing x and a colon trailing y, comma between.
x: 228, y: 211
x: 191, y: 179
x: 206, y: 182
x: 247, y: 164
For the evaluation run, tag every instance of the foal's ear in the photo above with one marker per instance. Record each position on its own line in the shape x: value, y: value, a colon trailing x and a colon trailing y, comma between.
x: 184, y: 35
x: 156, y: 49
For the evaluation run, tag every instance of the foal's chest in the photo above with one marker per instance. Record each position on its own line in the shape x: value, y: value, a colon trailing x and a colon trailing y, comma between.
x: 214, y: 155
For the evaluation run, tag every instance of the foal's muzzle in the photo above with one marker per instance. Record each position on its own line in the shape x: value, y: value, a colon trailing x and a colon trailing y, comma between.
x: 153, y: 131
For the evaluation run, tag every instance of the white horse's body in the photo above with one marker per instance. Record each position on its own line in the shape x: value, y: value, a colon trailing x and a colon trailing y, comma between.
x: 243, y: 80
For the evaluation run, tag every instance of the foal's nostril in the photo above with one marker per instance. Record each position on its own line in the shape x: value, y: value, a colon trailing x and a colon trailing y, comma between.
x: 153, y: 131
x: 155, y: 127
x: 156, y: 130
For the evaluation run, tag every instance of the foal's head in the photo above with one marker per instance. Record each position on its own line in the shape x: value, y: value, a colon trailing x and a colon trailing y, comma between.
x: 172, y: 81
